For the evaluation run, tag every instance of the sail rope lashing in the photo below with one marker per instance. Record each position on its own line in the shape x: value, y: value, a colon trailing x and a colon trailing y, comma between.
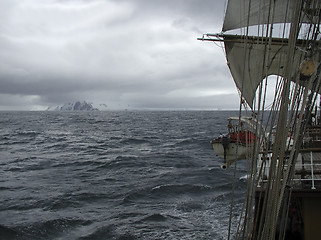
x: 310, y: 99
x: 288, y: 163
x: 264, y: 203
x: 276, y: 172
x: 219, y: 44
x: 238, y: 141
x: 247, y: 214
x: 288, y: 101
x: 248, y: 217
x: 232, y: 199
x: 306, y: 110
x: 303, y: 102
x: 260, y: 111
x: 240, y: 110
x: 252, y: 166
x: 268, y: 231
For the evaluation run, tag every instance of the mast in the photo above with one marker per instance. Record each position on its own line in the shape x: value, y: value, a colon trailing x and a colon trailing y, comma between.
x: 292, y: 60
x: 275, y: 191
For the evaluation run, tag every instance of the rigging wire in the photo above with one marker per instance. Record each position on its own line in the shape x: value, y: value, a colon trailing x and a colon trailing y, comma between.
x: 290, y: 100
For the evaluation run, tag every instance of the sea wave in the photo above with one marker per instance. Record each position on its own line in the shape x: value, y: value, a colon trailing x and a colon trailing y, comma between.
x: 113, y: 175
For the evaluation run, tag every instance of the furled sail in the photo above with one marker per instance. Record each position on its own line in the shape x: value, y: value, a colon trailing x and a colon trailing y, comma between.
x: 240, y: 14
x: 250, y: 69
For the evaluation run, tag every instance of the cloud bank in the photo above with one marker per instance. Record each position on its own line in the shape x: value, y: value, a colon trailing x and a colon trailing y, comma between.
x: 126, y: 53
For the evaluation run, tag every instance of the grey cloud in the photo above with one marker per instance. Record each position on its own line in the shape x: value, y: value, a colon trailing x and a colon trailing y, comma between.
x: 111, y: 51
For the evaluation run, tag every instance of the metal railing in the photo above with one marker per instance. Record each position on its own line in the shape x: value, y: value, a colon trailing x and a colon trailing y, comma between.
x: 307, y: 174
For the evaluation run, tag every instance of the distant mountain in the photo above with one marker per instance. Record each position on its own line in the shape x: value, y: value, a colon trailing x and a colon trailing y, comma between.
x: 79, y: 106
x: 100, y: 106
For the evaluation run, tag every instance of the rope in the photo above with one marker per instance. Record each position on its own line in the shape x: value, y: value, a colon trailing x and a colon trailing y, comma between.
x: 232, y: 203
x: 290, y: 100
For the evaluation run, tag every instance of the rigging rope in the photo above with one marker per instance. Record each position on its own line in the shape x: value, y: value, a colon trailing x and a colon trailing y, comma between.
x: 290, y: 100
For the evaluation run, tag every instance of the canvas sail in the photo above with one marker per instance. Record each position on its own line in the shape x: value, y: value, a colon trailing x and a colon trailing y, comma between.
x: 289, y: 120
x: 250, y: 64
x: 240, y: 14
x: 294, y: 58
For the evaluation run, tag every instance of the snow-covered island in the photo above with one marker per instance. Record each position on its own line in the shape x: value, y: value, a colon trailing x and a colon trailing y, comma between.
x: 79, y: 106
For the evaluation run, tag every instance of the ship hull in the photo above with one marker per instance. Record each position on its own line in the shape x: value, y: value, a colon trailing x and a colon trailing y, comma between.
x: 234, y: 151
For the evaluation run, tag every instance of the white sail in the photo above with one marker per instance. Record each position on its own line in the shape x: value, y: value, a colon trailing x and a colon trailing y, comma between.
x: 292, y: 121
x: 250, y: 69
x: 240, y: 14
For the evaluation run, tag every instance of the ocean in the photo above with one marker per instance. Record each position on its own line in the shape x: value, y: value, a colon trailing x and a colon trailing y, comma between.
x: 116, y: 175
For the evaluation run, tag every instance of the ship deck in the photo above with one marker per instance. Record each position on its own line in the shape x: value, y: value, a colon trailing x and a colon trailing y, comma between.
x: 307, y: 172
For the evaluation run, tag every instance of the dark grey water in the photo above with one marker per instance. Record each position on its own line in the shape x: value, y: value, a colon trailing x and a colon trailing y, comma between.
x: 113, y: 175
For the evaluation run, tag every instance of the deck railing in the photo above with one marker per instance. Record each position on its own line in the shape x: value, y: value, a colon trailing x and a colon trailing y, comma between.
x: 307, y: 172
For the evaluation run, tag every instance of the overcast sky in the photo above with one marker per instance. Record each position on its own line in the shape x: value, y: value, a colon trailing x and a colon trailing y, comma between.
x: 124, y: 53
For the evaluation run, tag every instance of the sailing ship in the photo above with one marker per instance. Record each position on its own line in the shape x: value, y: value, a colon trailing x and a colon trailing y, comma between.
x: 277, y: 44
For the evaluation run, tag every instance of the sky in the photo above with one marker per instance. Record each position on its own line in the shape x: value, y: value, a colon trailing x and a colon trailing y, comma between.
x: 133, y: 54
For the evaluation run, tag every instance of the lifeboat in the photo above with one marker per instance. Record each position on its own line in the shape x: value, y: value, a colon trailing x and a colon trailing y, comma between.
x: 238, y: 143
